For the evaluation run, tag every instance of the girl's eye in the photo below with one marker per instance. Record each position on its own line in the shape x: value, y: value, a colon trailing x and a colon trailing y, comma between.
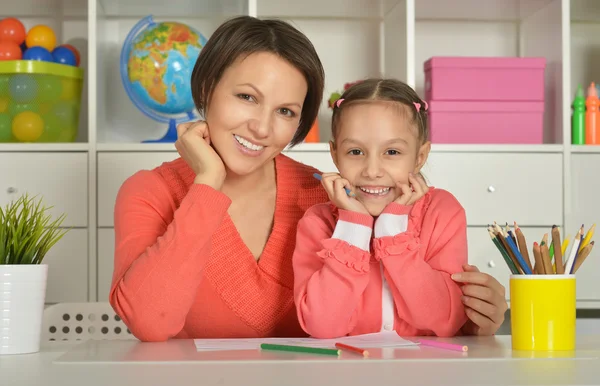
x: 355, y: 152
x: 245, y: 97
x: 393, y: 152
x: 287, y: 112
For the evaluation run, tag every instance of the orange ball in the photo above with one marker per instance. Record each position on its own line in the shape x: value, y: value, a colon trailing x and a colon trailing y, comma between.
x: 12, y: 29
x: 10, y: 50
x: 41, y: 36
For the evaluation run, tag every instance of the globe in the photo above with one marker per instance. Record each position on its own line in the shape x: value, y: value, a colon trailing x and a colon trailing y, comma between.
x: 157, y: 60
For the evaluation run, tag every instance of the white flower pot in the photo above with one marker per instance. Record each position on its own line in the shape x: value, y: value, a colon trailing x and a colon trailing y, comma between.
x: 22, y: 298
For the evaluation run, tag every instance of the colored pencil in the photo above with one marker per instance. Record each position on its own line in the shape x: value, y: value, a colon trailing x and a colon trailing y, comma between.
x: 348, y: 191
x: 546, y: 256
x: 523, y: 246
x: 571, y: 260
x: 588, y: 237
x: 357, y: 350
x: 537, y: 254
x: 507, y: 259
x: 582, y: 255
x: 558, y: 262
x: 518, y: 256
x: 510, y: 252
x: 447, y: 346
x: 309, y: 350
x: 565, y: 244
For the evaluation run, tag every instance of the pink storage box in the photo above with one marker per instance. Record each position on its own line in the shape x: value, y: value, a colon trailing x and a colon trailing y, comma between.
x: 484, y: 78
x: 486, y: 122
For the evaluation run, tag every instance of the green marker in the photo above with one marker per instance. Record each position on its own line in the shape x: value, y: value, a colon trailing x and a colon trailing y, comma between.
x: 578, y: 118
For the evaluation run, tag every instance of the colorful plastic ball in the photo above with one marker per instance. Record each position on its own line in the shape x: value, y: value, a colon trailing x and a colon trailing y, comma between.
x: 75, y: 52
x: 11, y: 29
x: 5, y: 128
x: 23, y: 88
x: 10, y: 50
x: 4, y: 84
x: 4, y: 102
x: 52, y: 129
x: 23, y: 47
x: 15, y: 109
x: 41, y: 36
x: 27, y: 126
x: 63, y: 55
x: 66, y: 112
x: 38, y: 53
x: 49, y: 88
x: 70, y: 89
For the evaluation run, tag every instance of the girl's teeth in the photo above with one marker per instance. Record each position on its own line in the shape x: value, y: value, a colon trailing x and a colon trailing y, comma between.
x: 376, y: 191
x: 247, y: 144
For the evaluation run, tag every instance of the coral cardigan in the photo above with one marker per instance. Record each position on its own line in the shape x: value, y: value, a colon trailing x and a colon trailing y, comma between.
x: 354, y: 275
x: 181, y: 268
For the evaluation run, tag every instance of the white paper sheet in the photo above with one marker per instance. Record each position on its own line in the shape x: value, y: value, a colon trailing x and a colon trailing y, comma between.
x: 376, y: 340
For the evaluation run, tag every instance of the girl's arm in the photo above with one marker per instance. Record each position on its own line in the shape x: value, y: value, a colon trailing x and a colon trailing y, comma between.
x: 331, y: 271
x: 424, y: 294
x: 160, y: 253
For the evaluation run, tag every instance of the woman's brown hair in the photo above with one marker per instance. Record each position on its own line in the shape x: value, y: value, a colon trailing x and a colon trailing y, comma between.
x: 392, y: 90
x: 245, y: 35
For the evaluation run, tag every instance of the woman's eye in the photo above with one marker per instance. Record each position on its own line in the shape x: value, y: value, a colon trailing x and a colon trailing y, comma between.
x: 287, y: 112
x: 244, y: 97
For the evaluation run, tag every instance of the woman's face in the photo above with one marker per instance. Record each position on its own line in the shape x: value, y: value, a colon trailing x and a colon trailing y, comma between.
x: 255, y: 110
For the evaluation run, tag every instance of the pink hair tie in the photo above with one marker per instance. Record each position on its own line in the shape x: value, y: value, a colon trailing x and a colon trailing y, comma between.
x: 338, y: 102
x: 418, y: 106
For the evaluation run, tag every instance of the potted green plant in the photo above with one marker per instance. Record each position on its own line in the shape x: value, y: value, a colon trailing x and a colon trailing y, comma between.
x: 27, y: 233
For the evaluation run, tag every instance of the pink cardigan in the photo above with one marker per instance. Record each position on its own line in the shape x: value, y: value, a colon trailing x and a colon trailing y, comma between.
x: 356, y: 275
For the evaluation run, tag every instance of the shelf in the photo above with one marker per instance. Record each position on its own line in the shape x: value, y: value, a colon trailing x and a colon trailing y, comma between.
x: 43, y: 147
x: 585, y: 11
x: 478, y: 10
x: 204, y: 9
x: 329, y: 9
x: 45, y: 8
x: 585, y: 149
x: 135, y: 147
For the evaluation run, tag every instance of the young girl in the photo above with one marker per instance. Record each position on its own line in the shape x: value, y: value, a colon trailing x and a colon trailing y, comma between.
x: 380, y: 257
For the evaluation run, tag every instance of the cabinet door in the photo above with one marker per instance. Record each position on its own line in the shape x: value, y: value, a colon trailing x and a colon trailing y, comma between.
x: 502, y: 187
x: 114, y: 169
x: 484, y: 254
x: 60, y: 179
x: 106, y: 258
x: 68, y: 268
x: 585, y: 209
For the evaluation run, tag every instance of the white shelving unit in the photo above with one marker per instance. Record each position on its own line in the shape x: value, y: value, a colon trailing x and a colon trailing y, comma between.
x: 536, y: 185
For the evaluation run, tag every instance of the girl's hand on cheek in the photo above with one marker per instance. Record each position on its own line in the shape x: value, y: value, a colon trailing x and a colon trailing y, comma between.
x: 413, y: 191
x: 335, y: 186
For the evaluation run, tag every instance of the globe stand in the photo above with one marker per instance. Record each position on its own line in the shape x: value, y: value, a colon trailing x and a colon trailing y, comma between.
x: 170, y: 136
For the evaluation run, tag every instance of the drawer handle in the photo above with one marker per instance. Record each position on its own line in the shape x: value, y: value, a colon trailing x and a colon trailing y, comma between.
x: 11, y: 190
x: 491, y: 264
x: 491, y: 189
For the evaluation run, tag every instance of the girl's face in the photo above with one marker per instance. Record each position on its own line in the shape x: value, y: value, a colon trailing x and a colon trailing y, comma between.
x: 255, y: 110
x: 376, y: 147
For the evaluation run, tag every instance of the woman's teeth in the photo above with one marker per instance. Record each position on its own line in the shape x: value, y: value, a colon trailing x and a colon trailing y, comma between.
x: 380, y: 191
x: 247, y: 144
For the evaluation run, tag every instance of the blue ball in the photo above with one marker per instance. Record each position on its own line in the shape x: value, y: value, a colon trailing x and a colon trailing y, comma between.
x: 23, y: 88
x: 37, y: 53
x: 63, y: 55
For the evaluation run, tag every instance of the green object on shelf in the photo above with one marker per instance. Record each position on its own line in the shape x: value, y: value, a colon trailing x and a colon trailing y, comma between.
x: 578, y: 118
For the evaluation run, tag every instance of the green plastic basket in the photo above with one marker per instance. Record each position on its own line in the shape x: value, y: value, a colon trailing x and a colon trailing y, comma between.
x: 39, y: 101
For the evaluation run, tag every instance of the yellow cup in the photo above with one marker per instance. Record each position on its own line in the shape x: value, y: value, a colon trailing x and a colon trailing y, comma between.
x: 543, y: 312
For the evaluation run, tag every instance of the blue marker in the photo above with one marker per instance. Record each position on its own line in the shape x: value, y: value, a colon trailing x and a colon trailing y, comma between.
x: 348, y: 191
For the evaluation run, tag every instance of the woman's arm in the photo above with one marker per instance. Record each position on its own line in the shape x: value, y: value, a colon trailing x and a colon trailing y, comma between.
x: 160, y: 253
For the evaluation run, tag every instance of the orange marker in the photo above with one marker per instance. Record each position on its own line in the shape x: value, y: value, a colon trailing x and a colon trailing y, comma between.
x: 592, y: 117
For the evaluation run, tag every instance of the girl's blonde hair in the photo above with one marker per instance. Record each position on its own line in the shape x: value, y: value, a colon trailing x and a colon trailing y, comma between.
x: 378, y: 89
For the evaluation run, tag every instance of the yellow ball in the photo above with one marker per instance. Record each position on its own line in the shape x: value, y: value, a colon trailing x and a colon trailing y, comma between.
x: 41, y: 36
x: 27, y: 126
x: 71, y: 89
x: 3, y: 104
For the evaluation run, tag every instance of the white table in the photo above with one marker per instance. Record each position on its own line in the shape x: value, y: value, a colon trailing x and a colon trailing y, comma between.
x: 489, y: 361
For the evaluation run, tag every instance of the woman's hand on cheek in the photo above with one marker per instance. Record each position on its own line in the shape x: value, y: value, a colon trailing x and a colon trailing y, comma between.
x: 413, y: 191
x: 484, y: 301
x: 193, y: 145
x: 335, y: 186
